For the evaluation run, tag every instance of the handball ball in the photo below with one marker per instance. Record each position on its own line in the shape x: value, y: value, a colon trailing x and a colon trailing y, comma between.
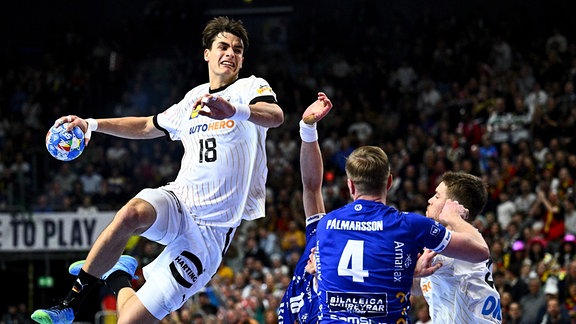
x: 63, y: 145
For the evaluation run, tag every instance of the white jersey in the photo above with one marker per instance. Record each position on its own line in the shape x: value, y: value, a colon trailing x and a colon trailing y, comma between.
x: 222, y: 177
x: 462, y: 292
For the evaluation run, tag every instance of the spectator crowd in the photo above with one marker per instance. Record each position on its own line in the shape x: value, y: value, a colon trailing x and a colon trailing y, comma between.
x: 465, y: 94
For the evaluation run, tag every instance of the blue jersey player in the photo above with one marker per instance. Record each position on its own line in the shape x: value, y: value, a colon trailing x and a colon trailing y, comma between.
x: 300, y: 301
x: 367, y: 252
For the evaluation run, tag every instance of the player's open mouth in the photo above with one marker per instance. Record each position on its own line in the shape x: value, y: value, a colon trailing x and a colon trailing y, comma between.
x: 228, y: 64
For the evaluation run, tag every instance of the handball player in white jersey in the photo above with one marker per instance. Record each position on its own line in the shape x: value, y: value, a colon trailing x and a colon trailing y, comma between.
x: 460, y: 291
x: 222, y: 125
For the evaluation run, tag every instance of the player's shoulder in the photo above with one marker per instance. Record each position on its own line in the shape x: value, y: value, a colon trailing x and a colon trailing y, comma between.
x: 251, y: 78
x: 255, y: 83
x: 246, y: 80
x: 413, y: 217
x: 198, y: 90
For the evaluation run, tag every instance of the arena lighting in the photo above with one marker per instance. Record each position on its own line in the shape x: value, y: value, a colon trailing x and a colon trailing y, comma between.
x: 45, y: 282
x: 249, y: 11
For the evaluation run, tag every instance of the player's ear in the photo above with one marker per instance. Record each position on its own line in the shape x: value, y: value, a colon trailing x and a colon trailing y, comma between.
x: 351, y: 187
x: 389, y: 184
x: 241, y: 62
x: 206, y: 52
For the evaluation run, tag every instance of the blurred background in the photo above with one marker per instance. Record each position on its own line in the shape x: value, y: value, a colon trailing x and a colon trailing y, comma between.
x: 484, y: 87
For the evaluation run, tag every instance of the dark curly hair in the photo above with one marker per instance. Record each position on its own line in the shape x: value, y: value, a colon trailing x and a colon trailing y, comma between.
x: 223, y: 25
x: 467, y: 189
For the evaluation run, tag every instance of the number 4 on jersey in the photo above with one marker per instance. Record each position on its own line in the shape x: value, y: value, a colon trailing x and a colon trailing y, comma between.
x: 352, y: 261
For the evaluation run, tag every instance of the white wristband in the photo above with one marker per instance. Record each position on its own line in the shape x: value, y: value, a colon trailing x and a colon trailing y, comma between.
x: 92, y: 126
x: 308, y: 132
x: 242, y: 112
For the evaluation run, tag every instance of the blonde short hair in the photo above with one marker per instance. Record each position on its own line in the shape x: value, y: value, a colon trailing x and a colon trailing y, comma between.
x: 369, y: 168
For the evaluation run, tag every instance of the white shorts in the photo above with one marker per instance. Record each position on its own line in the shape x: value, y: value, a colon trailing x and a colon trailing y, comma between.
x: 191, y: 257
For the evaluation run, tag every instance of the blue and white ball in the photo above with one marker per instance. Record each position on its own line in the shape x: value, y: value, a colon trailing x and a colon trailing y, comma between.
x: 63, y: 145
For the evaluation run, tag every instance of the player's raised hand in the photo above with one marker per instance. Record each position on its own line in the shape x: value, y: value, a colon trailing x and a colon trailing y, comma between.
x: 214, y: 107
x: 452, y: 213
x: 317, y: 110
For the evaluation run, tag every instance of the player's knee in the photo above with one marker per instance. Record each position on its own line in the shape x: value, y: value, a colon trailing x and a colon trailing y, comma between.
x: 131, y: 310
x: 136, y: 214
x: 127, y: 318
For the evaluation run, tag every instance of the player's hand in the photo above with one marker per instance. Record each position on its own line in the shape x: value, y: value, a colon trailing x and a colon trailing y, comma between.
x: 452, y: 212
x: 424, y: 266
x: 317, y: 110
x: 74, y: 121
x: 214, y: 107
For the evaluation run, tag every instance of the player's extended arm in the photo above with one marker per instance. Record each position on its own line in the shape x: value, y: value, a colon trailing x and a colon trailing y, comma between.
x: 311, y: 164
x: 125, y: 127
x: 312, y: 171
x: 467, y: 243
x: 129, y: 127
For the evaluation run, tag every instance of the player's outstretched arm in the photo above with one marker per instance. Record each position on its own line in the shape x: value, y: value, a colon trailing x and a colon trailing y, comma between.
x: 125, y: 127
x: 311, y: 164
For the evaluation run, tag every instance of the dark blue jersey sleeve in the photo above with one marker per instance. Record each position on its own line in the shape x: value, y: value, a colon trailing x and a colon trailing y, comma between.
x: 300, y: 301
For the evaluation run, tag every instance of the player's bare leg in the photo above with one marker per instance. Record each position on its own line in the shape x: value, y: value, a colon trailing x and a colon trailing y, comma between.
x: 104, y: 263
x: 131, y: 310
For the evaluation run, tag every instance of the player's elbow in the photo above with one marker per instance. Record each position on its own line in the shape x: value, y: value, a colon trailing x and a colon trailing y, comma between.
x: 265, y: 114
x: 277, y: 118
x: 482, y: 253
x: 468, y: 249
x: 478, y: 252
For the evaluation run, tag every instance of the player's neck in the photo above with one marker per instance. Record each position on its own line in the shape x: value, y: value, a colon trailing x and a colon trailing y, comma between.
x: 375, y: 198
x: 221, y: 81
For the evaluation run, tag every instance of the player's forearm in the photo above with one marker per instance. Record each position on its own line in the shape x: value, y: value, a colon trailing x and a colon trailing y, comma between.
x: 312, y: 170
x: 311, y: 165
x: 471, y: 231
x: 266, y: 114
x: 129, y: 127
x: 471, y: 250
x: 467, y: 243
